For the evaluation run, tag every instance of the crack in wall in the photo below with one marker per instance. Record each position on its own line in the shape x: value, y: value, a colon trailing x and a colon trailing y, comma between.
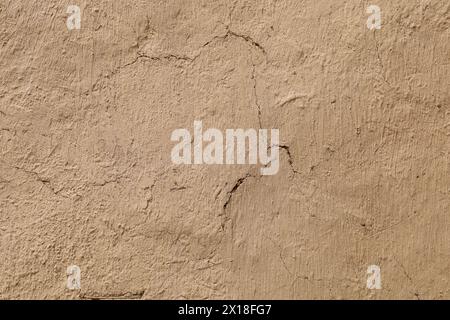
x: 290, y: 158
x: 410, y: 279
x: 230, y: 33
x: 380, y: 62
x: 45, y: 182
x: 114, y: 296
x: 236, y: 186
x: 255, y: 95
x: 241, y: 180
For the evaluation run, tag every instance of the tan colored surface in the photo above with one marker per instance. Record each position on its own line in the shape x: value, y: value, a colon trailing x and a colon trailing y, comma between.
x: 85, y: 170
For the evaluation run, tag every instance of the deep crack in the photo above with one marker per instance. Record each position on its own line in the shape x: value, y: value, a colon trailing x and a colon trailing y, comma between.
x: 236, y: 186
x: 290, y: 157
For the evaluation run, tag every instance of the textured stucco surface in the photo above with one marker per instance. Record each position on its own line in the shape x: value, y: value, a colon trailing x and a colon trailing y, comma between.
x: 86, y: 177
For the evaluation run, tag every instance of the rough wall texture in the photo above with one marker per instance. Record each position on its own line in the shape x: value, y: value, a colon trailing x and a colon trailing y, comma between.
x: 86, y: 177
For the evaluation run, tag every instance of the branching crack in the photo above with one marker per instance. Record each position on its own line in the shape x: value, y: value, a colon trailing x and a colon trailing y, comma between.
x: 185, y: 58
